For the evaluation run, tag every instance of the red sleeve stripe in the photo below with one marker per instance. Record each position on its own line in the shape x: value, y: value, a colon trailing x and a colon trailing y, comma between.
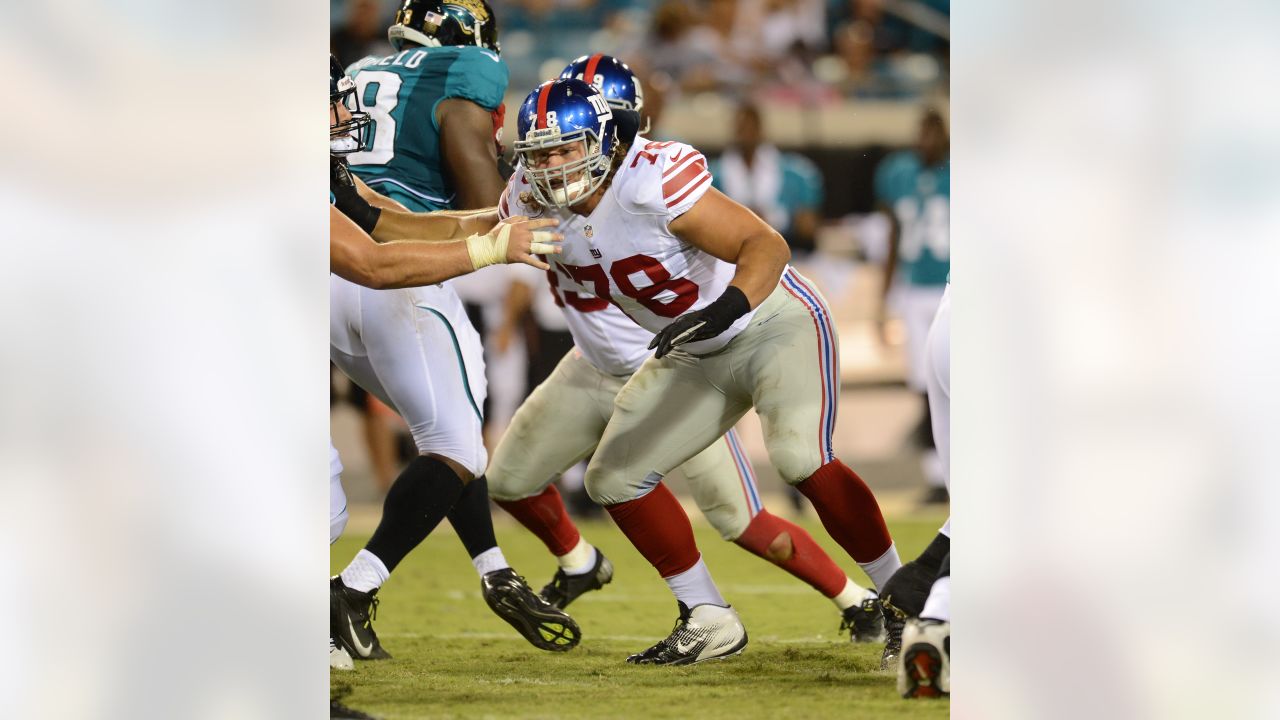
x: 681, y: 161
x: 683, y: 178
x: 702, y: 181
x: 542, y: 105
x: 591, y: 68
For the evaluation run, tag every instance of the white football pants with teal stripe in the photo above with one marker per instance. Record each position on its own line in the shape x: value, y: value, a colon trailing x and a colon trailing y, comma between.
x: 415, y: 350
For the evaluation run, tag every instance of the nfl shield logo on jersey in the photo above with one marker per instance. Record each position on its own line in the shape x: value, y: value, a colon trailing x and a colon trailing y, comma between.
x: 587, y: 231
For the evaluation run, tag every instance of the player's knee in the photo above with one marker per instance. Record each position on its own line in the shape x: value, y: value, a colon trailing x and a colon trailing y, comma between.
x: 609, y: 487
x: 727, y: 521
x: 795, y: 465
x: 507, y: 487
x: 337, y: 523
x: 780, y: 548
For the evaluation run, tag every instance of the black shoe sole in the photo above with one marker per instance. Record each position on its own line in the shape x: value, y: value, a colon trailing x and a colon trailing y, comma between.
x: 553, y: 633
x: 923, y: 665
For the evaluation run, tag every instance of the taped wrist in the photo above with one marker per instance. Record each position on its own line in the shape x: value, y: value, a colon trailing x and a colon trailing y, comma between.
x: 489, y: 249
x: 724, y: 310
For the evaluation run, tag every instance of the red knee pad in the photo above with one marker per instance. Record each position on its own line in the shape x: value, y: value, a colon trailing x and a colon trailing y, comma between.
x: 659, y: 528
x: 545, y: 515
x: 807, y: 560
x: 848, y: 510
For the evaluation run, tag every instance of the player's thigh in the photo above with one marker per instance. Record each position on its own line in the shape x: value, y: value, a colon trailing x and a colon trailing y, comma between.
x: 723, y: 486
x: 667, y: 412
x: 421, y: 361
x: 792, y: 369
x: 920, y: 304
x: 558, y: 425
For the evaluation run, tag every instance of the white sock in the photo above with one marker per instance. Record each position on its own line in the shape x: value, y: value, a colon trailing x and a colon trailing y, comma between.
x: 695, y: 587
x: 490, y: 560
x: 365, y: 572
x: 579, y: 560
x: 852, y: 594
x: 938, y: 606
x: 883, y: 567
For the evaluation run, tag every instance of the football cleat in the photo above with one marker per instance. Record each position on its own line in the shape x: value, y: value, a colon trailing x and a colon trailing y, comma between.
x: 545, y: 626
x: 864, y: 622
x: 565, y: 588
x: 351, y: 616
x: 708, y: 632
x: 339, y: 659
x: 926, y: 660
x: 893, y: 623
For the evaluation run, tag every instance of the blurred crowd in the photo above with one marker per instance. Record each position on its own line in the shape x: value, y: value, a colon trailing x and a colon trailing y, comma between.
x: 801, y: 51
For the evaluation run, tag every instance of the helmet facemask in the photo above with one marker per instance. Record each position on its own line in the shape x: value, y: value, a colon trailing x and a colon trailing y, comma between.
x: 570, y: 183
x: 349, y: 130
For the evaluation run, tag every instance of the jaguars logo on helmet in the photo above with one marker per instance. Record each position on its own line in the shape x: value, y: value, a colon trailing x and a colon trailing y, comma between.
x: 559, y: 113
x: 350, y: 134
x: 436, y: 23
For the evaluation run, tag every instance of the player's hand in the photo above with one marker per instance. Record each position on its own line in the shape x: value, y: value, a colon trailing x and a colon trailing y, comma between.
x: 529, y: 238
x: 702, y: 324
x: 516, y: 239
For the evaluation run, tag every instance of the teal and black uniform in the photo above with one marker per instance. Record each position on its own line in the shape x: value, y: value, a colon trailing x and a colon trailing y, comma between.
x: 401, y: 92
x: 920, y: 198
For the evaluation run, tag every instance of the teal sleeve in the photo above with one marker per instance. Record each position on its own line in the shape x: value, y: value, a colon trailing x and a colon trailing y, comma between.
x: 806, y: 182
x: 477, y: 75
x: 713, y: 166
x: 885, y: 180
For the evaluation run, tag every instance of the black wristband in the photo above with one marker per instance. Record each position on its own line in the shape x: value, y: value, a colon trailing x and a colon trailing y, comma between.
x: 731, y: 305
x: 348, y: 201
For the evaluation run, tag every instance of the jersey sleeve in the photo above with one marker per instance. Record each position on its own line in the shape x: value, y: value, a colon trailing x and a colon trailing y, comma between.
x: 477, y: 75
x: 805, y: 182
x: 665, y: 178
x: 887, y: 175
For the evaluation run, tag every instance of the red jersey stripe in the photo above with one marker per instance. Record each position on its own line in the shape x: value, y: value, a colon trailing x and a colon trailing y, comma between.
x: 682, y: 178
x: 676, y: 201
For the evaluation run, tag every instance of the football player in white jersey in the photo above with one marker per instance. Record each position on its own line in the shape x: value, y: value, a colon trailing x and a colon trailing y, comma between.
x: 577, y: 399
x: 735, y: 328
x: 383, y: 340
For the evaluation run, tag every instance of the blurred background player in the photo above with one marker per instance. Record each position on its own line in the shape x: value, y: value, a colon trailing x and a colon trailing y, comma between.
x: 416, y: 350
x: 644, y: 229
x: 783, y: 188
x: 577, y: 398
x: 913, y: 189
x: 926, y: 640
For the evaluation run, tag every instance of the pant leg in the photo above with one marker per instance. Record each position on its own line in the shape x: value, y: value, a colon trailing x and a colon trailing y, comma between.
x: 939, y: 381
x: 428, y: 366
x: 668, y: 412
x: 337, y: 496
x: 557, y: 426
x: 789, y: 360
x: 723, y: 484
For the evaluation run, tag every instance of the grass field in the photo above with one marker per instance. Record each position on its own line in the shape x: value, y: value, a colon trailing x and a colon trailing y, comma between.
x: 453, y: 658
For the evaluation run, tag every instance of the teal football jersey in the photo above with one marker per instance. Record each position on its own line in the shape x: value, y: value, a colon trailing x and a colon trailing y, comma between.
x: 401, y: 92
x: 920, y: 198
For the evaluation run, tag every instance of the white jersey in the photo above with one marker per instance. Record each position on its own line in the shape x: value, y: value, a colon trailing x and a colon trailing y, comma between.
x: 625, y: 253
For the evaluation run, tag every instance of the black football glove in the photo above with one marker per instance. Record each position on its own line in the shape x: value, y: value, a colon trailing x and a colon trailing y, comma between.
x: 347, y: 199
x: 708, y: 322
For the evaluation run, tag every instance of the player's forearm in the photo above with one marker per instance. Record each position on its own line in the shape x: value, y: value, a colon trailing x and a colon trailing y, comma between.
x: 760, y: 263
x: 410, y: 264
x: 396, y: 226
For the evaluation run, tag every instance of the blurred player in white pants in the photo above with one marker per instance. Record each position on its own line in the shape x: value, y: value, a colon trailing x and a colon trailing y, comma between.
x: 926, y: 640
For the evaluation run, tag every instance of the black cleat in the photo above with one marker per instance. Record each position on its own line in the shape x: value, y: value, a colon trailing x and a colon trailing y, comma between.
x: 893, y: 624
x: 564, y: 588
x: 545, y: 626
x: 708, y: 632
x: 351, y: 615
x: 864, y: 622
